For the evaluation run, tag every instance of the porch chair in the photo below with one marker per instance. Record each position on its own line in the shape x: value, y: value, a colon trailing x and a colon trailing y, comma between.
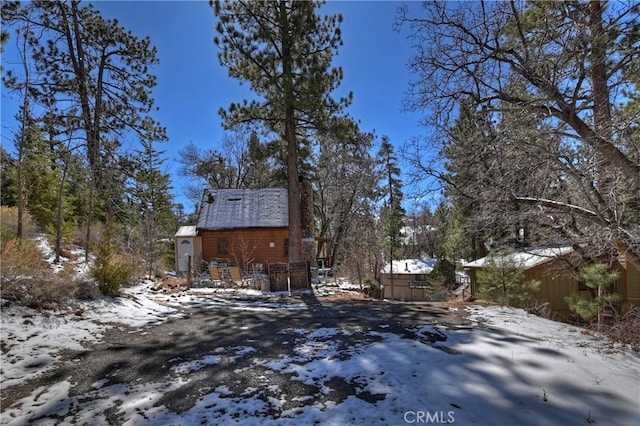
x: 236, y: 277
x: 215, y: 274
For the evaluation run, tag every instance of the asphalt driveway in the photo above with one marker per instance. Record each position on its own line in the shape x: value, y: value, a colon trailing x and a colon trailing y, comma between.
x: 243, y: 341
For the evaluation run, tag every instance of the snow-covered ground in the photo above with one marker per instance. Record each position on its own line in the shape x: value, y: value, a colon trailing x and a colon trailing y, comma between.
x: 510, y: 368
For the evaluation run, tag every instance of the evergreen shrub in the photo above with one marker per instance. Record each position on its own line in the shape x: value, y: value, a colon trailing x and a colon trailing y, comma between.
x: 501, y: 281
x: 110, y: 270
x: 598, y: 278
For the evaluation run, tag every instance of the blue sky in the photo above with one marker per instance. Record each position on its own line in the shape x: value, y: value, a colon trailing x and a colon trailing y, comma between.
x: 192, y: 86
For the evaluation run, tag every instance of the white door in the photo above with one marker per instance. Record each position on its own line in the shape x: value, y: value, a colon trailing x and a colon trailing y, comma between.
x: 185, y: 249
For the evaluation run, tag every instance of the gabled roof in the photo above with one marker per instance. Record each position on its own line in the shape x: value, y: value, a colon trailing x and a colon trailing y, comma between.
x: 244, y: 208
x: 526, y: 258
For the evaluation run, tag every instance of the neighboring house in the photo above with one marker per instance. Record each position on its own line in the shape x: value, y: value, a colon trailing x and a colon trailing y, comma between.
x: 409, y: 280
x: 552, y: 266
x: 244, y: 226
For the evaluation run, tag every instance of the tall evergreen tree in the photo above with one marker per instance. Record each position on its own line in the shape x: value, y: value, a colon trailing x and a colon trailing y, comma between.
x: 283, y: 49
x: 151, y: 217
x: 93, y: 81
x: 392, y: 213
x: 39, y: 175
x: 8, y: 179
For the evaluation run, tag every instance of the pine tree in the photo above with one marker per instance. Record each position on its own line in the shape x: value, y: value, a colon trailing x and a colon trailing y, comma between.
x: 283, y: 49
x: 150, y: 217
x: 108, y: 270
x: 39, y: 176
x: 503, y: 281
x: 598, y: 278
x: 8, y: 179
x: 392, y: 213
x: 92, y: 79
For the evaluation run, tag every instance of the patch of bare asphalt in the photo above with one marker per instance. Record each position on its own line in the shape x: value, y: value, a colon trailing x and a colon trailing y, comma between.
x: 243, y: 342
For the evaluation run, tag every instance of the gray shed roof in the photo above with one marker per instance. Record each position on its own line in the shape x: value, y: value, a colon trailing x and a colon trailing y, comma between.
x: 244, y: 208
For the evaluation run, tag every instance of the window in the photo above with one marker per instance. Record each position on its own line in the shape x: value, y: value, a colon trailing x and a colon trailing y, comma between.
x: 582, y: 286
x: 286, y: 247
x: 418, y: 284
x: 223, y: 246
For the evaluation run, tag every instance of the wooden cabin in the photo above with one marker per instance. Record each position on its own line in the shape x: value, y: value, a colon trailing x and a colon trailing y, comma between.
x: 244, y: 227
x: 247, y: 230
x: 553, y: 267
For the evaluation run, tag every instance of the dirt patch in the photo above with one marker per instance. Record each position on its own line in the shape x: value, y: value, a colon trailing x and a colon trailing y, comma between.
x: 171, y: 285
x: 344, y: 296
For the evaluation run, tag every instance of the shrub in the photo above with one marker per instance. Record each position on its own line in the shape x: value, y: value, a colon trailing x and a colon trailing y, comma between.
x: 626, y: 328
x: 109, y: 270
x: 374, y: 287
x: 6, y: 234
x: 21, y: 257
x: 26, y: 280
x: 598, y: 278
x: 9, y: 225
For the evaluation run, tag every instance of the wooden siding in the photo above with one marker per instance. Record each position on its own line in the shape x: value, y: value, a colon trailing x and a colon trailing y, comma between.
x: 406, y: 287
x: 246, y: 246
x: 632, y: 279
x: 556, y: 282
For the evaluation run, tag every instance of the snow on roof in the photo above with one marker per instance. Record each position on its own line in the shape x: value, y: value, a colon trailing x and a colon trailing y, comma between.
x: 244, y: 208
x: 523, y: 259
x: 186, y: 231
x: 410, y: 266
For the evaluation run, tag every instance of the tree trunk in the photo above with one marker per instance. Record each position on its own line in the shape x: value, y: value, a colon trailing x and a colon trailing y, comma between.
x: 23, y: 139
x: 295, y: 216
x: 59, y: 206
x: 295, y: 223
x: 601, y: 105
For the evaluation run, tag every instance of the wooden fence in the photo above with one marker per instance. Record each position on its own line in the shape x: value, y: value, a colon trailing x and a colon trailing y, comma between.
x: 292, y: 276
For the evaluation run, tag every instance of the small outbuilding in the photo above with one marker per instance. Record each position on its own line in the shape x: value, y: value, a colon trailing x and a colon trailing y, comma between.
x: 413, y: 280
x: 555, y: 268
x: 188, y: 247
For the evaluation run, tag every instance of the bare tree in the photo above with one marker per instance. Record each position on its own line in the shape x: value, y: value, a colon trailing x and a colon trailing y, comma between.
x: 243, y: 162
x: 344, y: 187
x: 543, y: 76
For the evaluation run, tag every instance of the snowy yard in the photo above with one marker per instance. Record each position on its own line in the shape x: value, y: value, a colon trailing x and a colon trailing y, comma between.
x: 507, y: 368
